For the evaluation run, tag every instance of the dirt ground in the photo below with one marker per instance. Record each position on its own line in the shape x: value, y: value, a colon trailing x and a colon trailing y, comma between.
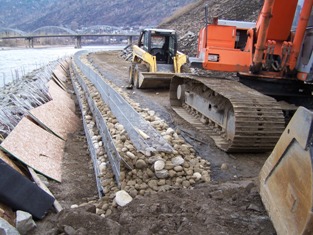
x: 230, y: 204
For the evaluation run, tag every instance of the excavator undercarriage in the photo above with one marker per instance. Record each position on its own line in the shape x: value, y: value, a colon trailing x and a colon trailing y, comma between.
x: 238, y: 118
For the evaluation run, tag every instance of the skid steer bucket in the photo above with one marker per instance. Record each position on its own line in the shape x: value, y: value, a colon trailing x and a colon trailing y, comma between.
x: 286, y: 178
x: 154, y: 80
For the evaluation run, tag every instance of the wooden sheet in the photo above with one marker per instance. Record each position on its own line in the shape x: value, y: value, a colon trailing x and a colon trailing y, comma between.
x: 60, y: 74
x: 66, y: 64
x: 8, y: 161
x: 36, y: 148
x: 7, y: 214
x: 61, y: 98
x: 59, y: 82
x: 60, y: 120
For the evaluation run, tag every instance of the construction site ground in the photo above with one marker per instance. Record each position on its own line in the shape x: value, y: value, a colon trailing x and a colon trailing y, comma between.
x: 229, y: 204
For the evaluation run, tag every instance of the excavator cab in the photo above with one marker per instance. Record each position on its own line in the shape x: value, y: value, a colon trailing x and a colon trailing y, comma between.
x: 155, y: 59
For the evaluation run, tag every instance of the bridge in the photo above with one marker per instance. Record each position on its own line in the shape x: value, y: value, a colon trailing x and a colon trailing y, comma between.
x: 57, y: 31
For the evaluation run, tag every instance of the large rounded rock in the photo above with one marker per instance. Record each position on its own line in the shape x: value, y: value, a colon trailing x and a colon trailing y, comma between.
x: 168, y: 138
x: 184, y: 149
x: 119, y: 127
x: 186, y: 183
x: 130, y: 155
x: 159, y: 165
x: 149, y: 173
x: 172, y: 173
x: 178, y: 168
x: 102, y: 167
x: 153, y: 159
x: 143, y: 186
x: 151, y: 112
x: 189, y: 171
x: 169, y: 131
x: 178, y: 161
x: 140, y: 164
x: 169, y: 165
x: 122, y: 198
x: 153, y: 184
x: 162, y: 174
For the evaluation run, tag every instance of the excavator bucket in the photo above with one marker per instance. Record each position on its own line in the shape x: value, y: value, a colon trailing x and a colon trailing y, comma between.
x: 154, y: 80
x: 286, y: 178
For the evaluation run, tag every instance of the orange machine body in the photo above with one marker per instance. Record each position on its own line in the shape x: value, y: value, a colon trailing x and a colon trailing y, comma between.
x: 270, y: 49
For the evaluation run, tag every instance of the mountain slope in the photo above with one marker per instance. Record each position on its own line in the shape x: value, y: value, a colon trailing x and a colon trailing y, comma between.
x: 188, y: 21
x: 32, y: 14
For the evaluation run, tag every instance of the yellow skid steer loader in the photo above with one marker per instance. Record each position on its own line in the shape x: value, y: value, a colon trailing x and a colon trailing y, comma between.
x: 155, y: 59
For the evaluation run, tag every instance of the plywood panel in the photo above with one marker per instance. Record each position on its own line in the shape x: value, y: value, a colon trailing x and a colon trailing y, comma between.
x: 59, y: 82
x: 61, y: 120
x: 61, y: 97
x: 36, y: 148
x: 8, y: 161
x: 60, y: 74
x: 7, y: 213
x: 66, y: 64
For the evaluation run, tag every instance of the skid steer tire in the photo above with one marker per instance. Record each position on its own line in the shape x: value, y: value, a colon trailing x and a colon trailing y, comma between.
x: 131, y: 74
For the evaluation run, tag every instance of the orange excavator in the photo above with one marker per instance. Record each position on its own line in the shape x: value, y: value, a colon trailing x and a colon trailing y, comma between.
x: 274, y: 62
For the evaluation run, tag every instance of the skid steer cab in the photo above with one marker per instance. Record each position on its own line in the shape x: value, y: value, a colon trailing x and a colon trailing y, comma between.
x: 155, y: 59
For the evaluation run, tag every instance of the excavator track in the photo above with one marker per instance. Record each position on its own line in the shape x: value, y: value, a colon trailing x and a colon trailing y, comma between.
x: 236, y: 117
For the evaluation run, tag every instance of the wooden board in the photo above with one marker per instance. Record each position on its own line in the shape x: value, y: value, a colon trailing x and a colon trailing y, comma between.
x: 66, y: 64
x: 7, y: 160
x: 59, y: 73
x: 36, y: 148
x: 61, y: 98
x: 59, y: 82
x: 7, y: 214
x: 61, y: 121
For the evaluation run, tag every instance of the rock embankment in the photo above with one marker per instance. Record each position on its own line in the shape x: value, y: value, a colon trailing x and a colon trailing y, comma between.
x: 141, y: 173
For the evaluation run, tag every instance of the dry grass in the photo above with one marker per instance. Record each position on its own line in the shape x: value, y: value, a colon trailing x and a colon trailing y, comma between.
x: 181, y: 11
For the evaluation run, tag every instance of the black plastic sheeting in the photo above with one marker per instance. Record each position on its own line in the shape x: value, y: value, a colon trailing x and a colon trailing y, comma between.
x: 19, y: 193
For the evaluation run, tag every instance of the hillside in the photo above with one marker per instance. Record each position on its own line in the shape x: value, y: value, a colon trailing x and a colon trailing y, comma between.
x: 188, y: 21
x: 32, y: 14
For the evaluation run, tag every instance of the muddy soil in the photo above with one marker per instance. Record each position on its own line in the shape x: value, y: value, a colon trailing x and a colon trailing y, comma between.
x: 230, y: 204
